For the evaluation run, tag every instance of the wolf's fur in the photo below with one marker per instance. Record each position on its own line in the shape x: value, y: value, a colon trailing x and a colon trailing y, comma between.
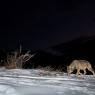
x: 79, y: 65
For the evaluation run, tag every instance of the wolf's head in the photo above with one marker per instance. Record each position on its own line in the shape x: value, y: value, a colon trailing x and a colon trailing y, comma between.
x: 70, y: 69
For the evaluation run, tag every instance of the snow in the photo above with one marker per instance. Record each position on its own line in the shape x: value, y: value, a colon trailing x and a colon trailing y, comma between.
x: 40, y: 82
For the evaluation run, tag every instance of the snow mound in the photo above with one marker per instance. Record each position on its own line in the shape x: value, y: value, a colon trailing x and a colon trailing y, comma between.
x: 7, y: 90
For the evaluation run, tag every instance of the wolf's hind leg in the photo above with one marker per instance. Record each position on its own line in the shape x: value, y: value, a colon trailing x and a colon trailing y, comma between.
x: 91, y: 70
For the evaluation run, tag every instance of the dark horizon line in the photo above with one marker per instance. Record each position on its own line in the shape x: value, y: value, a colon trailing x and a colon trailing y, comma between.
x: 78, y: 38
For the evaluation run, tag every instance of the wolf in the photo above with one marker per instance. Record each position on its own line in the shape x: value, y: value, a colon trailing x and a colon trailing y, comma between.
x: 79, y: 65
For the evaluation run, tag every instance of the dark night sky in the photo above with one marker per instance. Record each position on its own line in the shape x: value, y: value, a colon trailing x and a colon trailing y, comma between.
x: 44, y: 23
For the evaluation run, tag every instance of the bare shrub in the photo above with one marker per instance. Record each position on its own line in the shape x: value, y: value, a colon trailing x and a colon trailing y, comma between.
x: 16, y: 60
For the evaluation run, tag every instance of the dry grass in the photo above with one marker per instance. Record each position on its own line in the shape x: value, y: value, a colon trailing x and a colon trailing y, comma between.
x: 48, y: 70
x: 10, y: 61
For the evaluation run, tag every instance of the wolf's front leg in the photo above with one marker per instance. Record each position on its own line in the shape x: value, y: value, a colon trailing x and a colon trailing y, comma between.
x: 78, y: 72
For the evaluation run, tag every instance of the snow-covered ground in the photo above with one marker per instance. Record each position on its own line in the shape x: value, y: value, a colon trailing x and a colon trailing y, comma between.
x: 38, y: 82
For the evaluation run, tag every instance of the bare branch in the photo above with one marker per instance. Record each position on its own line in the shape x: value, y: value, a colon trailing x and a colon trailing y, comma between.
x: 20, y: 49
